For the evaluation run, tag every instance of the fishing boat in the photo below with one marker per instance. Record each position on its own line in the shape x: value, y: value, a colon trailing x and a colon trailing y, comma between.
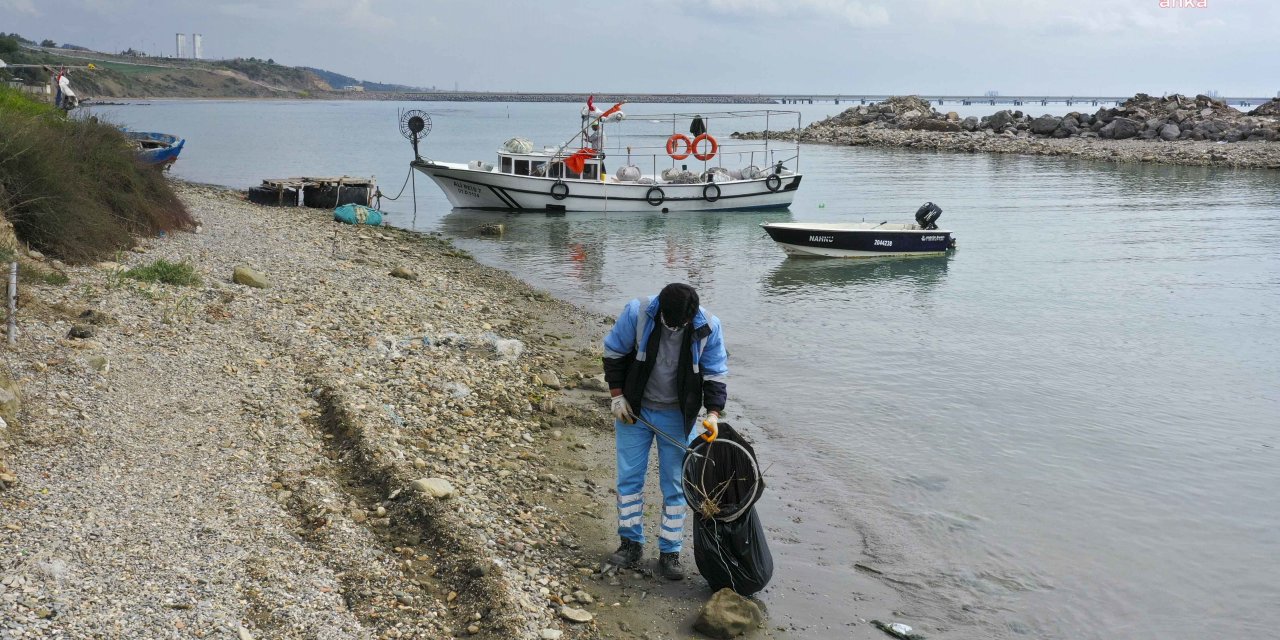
x: 156, y: 148
x: 644, y: 163
x: 864, y: 239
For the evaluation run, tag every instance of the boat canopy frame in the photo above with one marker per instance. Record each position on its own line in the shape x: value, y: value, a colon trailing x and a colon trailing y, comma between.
x: 766, y: 153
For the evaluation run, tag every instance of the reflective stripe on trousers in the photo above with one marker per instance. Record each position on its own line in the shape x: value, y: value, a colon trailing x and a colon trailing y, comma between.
x: 633, y: 442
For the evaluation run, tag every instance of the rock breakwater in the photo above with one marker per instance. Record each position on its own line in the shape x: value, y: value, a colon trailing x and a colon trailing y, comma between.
x: 1174, y: 130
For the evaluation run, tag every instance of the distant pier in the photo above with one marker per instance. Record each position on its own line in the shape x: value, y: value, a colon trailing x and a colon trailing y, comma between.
x: 783, y: 98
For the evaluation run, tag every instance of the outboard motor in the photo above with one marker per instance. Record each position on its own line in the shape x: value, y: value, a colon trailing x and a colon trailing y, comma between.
x: 927, y: 215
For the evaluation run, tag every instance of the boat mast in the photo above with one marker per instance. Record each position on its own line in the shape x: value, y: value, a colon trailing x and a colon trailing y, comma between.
x: 588, y: 120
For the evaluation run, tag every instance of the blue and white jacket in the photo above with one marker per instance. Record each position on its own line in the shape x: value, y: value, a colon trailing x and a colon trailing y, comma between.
x: 629, y: 356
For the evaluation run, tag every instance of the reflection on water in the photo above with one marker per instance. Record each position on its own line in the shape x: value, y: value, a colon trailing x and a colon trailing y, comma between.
x: 826, y: 276
x: 587, y: 248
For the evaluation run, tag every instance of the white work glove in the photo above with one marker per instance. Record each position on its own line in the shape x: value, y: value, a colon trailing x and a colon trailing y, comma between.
x: 621, y: 409
x: 712, y: 426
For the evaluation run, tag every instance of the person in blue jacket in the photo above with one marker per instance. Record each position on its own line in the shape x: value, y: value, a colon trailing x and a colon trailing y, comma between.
x: 664, y: 361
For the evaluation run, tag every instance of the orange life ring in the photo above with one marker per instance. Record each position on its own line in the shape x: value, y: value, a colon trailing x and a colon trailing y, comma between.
x: 715, y: 146
x: 671, y: 146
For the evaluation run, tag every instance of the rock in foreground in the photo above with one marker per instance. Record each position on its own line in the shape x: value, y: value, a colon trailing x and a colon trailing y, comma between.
x: 728, y: 615
x: 437, y: 488
x: 249, y: 278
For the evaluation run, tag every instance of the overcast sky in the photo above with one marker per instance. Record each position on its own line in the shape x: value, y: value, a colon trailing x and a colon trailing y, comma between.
x: 1078, y: 47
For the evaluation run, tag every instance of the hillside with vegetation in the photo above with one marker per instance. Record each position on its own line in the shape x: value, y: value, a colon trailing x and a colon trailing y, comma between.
x: 74, y: 189
x: 131, y: 74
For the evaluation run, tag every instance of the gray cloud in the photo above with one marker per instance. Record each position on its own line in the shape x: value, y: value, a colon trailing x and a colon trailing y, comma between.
x: 928, y: 46
x: 18, y: 6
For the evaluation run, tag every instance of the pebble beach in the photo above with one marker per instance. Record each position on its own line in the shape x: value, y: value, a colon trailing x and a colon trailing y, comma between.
x: 340, y: 432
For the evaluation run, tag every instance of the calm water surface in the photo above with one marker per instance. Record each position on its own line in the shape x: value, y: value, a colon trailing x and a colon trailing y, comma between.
x: 1066, y: 429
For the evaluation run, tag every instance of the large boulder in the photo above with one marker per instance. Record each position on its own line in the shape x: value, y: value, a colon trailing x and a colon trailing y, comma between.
x: 1267, y: 109
x: 1170, y: 132
x: 1000, y: 120
x: 728, y: 615
x: 1120, y: 129
x: 1045, y: 125
x: 934, y: 124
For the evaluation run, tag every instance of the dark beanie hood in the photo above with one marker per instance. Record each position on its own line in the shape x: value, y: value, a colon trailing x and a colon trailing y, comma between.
x: 678, y: 303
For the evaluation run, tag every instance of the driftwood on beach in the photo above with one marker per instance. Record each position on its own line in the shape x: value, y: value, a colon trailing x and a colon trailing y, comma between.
x: 1171, y: 130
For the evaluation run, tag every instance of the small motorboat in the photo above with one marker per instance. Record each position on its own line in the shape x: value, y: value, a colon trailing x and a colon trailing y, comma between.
x: 159, y: 149
x: 864, y: 239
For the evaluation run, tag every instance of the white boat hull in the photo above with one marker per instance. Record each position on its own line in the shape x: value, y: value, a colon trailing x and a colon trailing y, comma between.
x: 478, y: 189
x: 823, y: 252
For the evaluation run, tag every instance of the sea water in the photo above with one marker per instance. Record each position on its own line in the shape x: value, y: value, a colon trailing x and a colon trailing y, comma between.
x: 1067, y: 428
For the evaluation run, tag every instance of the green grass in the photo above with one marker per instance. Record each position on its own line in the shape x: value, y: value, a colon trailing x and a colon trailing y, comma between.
x: 35, y: 274
x: 129, y: 69
x: 15, y: 104
x: 74, y: 189
x: 178, y: 273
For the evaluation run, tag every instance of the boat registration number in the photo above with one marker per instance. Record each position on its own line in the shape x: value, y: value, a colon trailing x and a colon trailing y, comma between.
x: 883, y: 243
x: 822, y: 239
x: 466, y: 189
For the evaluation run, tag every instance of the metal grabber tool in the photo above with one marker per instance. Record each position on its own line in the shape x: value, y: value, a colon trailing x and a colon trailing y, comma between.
x: 709, y: 437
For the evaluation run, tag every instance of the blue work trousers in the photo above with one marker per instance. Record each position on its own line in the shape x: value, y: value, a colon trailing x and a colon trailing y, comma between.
x: 633, y: 443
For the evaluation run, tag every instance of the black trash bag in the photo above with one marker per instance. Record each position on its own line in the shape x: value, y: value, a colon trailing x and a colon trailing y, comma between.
x: 733, y: 554
x: 722, y: 483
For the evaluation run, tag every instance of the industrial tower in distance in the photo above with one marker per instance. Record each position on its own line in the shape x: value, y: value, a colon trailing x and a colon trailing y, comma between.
x: 197, y: 46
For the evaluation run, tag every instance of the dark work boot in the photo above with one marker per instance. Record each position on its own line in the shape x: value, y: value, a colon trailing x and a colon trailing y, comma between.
x: 669, y: 566
x: 627, y: 555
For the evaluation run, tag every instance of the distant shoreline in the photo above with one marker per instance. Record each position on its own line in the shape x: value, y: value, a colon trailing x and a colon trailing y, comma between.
x: 355, y: 96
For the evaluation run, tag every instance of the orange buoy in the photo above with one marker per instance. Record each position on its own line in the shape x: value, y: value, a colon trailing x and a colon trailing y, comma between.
x: 671, y: 146
x: 711, y: 153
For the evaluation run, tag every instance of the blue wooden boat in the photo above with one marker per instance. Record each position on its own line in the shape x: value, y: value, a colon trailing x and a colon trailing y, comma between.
x: 156, y: 148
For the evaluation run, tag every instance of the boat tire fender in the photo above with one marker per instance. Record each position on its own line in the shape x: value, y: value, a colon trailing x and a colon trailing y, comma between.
x: 773, y: 182
x: 559, y: 190
x: 272, y: 197
x: 655, y: 196
x: 685, y: 150
x: 711, y: 192
x: 708, y: 154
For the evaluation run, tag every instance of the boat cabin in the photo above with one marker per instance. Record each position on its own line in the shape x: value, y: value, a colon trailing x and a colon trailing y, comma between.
x: 539, y: 164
